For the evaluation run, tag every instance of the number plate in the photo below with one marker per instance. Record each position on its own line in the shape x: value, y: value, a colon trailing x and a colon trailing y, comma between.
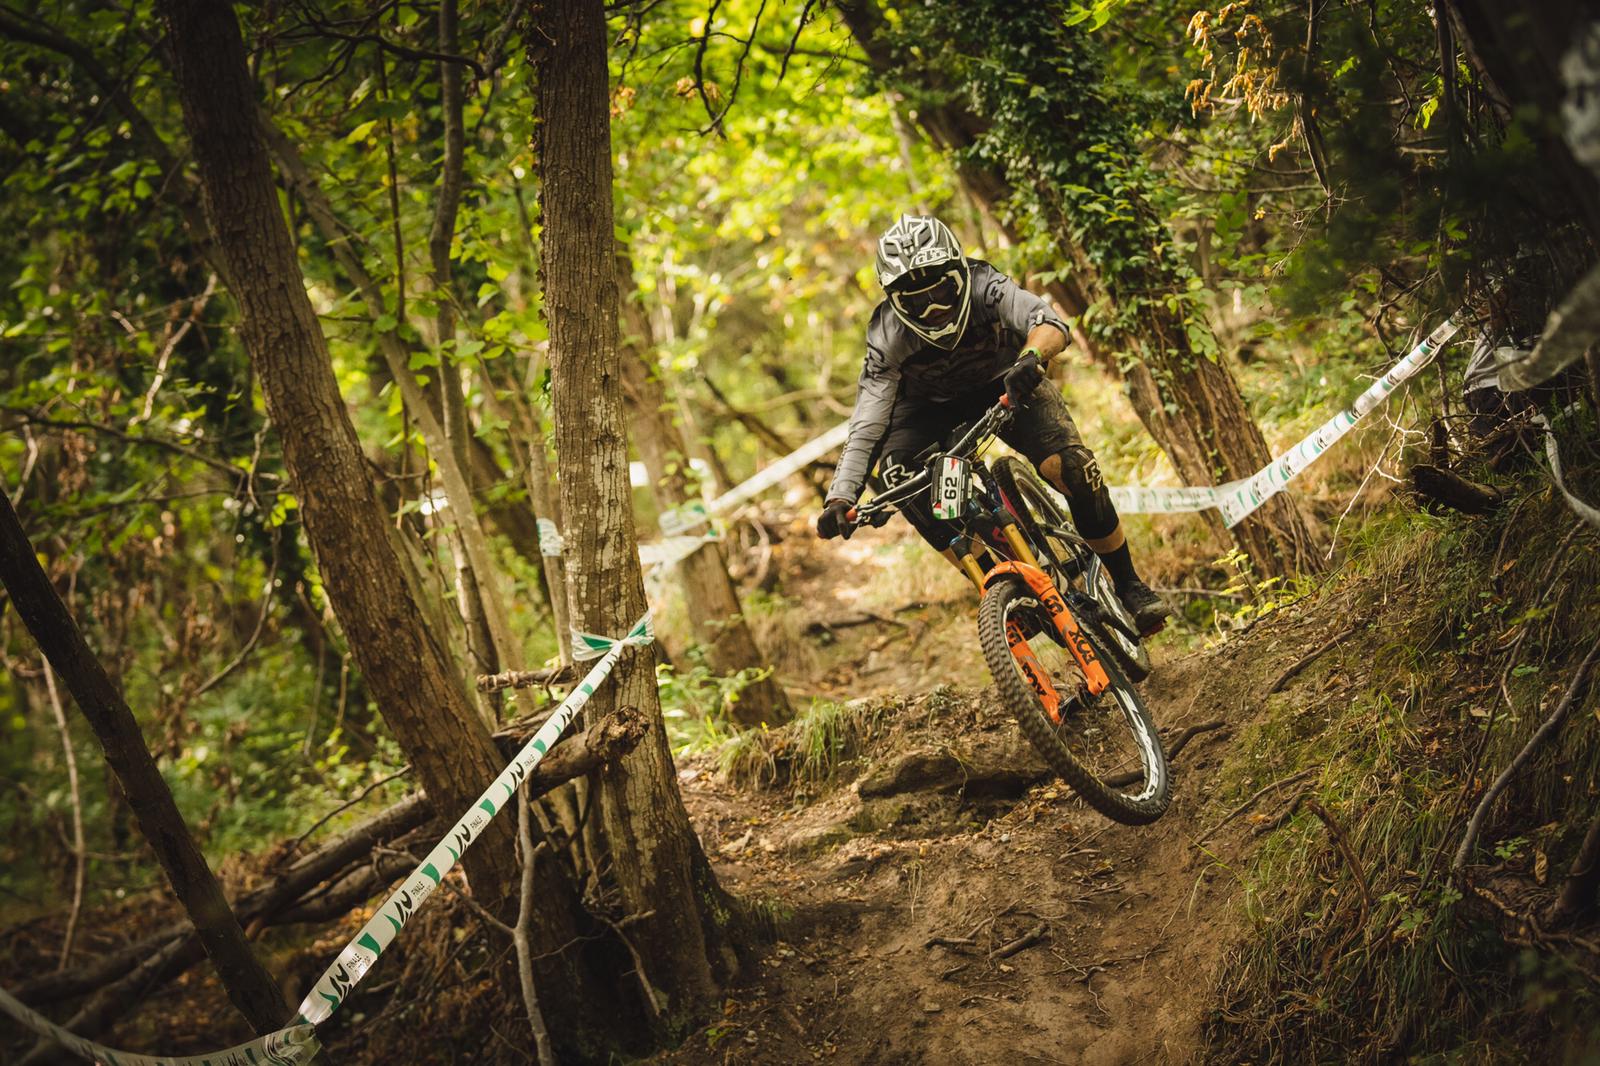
x: 951, y: 484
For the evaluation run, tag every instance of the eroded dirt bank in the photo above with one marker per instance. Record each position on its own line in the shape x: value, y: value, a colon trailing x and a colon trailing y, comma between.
x: 940, y: 899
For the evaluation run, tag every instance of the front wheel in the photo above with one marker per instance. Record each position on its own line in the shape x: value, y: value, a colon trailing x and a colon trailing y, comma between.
x: 1104, y: 746
x: 1047, y: 526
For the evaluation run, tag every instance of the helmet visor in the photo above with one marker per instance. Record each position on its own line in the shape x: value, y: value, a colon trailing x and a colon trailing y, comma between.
x: 932, y: 299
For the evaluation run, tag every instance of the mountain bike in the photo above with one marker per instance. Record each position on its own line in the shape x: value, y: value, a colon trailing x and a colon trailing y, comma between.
x: 1062, y: 649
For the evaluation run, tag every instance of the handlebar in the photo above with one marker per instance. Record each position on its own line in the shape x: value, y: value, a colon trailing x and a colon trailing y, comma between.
x: 887, y: 502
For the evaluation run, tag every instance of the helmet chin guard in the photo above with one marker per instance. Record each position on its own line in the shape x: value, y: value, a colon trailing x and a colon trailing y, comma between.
x: 923, y: 271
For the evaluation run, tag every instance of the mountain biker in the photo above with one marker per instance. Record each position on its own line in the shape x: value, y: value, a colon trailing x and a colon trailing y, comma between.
x: 942, y: 347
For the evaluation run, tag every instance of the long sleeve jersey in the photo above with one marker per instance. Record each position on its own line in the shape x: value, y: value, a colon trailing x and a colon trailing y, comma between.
x: 901, y: 364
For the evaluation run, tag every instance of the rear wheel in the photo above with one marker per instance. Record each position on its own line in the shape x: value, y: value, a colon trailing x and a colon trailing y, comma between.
x: 1040, y: 515
x: 1104, y: 746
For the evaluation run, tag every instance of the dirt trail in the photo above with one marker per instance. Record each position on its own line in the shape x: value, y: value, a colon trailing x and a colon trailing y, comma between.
x: 946, y: 826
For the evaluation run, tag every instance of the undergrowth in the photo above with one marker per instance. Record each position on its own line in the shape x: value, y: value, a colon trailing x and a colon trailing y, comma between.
x: 1471, y: 630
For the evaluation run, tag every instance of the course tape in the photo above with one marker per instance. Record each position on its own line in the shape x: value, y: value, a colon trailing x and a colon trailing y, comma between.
x: 296, y: 1043
x: 353, y: 963
x: 287, y: 1047
x: 551, y: 543
x: 683, y: 519
x: 1237, y: 500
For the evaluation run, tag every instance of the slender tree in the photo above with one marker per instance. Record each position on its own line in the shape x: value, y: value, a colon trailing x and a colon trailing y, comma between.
x: 708, y: 591
x: 407, y: 670
x: 656, y: 858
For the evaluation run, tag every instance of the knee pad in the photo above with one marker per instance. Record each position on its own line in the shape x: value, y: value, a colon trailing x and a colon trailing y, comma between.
x: 1087, y: 498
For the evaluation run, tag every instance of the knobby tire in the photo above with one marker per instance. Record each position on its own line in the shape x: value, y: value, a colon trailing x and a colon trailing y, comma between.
x: 1130, y: 808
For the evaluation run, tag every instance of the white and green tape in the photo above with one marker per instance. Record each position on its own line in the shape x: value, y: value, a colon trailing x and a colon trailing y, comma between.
x: 1237, y: 500
x: 296, y: 1042
x: 551, y: 543
x: 286, y: 1047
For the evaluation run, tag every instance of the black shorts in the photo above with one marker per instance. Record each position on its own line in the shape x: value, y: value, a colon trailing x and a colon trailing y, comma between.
x: 1042, y: 428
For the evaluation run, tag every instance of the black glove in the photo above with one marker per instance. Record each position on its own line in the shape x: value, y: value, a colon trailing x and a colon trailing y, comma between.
x: 834, y: 520
x: 1023, y: 377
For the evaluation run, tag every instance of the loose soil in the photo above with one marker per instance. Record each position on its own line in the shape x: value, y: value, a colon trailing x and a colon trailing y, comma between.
x: 904, y: 884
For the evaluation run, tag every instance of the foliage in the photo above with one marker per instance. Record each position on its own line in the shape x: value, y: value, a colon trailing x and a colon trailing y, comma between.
x: 1391, y: 724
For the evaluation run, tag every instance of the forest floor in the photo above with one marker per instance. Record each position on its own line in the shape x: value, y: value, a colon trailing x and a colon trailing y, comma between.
x: 906, y: 877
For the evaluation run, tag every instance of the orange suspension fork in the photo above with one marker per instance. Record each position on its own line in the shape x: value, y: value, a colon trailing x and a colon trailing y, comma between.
x: 1094, y: 672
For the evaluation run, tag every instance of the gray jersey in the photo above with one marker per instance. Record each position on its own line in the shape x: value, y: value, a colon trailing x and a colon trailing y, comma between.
x: 899, y: 363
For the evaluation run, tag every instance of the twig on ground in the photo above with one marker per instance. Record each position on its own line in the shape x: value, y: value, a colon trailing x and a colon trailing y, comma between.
x: 950, y: 942
x: 1306, y: 660
x: 1281, y: 819
x: 1246, y: 805
x: 1343, y: 844
x: 1546, y: 729
x: 1021, y: 943
x: 1177, y: 745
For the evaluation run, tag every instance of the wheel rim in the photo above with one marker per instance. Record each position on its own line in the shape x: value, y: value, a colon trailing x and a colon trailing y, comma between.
x: 1105, y: 594
x: 1106, y: 735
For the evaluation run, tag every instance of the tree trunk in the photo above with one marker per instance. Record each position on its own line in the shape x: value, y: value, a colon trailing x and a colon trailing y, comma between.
x: 249, y: 986
x: 403, y: 664
x: 470, y: 595
x: 656, y: 858
x: 1190, y: 405
x: 708, y: 591
x: 457, y: 491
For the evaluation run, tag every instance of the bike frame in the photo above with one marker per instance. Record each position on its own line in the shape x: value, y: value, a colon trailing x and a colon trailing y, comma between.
x: 991, y: 519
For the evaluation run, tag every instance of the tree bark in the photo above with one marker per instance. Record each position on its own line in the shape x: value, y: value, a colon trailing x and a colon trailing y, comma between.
x: 395, y: 353
x: 248, y: 984
x: 712, y: 602
x: 1190, y: 405
x: 656, y: 858
x: 402, y: 662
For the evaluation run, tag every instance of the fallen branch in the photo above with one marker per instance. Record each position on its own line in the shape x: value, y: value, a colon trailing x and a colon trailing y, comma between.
x: 327, y: 882
x: 345, y: 806
x: 550, y: 675
x: 1440, y: 487
x: 1546, y: 729
x: 1021, y: 943
x: 1305, y: 661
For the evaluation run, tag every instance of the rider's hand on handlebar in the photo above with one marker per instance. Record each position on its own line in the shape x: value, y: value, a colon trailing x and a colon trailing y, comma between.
x: 836, y: 520
x: 1023, y: 377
